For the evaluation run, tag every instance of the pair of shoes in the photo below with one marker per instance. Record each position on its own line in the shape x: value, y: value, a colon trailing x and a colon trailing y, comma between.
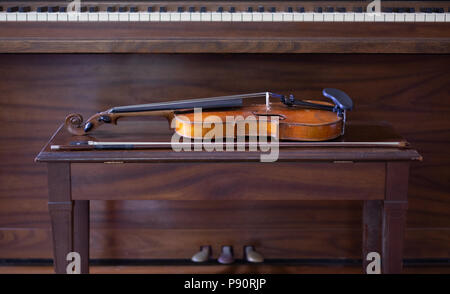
x: 226, y: 256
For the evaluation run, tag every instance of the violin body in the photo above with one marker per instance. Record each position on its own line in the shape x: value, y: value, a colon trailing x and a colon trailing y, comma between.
x: 294, y: 123
x: 227, y: 117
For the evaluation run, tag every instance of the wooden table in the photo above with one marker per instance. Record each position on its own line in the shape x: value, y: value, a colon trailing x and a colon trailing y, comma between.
x: 376, y: 175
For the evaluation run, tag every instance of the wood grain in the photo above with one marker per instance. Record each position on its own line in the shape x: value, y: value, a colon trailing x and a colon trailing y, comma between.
x: 39, y: 90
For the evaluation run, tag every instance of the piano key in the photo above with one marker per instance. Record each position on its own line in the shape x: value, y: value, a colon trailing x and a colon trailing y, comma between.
x: 51, y: 16
x: 150, y: 9
x: 329, y: 9
x: 249, y: 9
x: 440, y: 17
x: 261, y: 9
x: 11, y: 16
x: 349, y: 16
x: 144, y: 16
x: 133, y: 16
x: 389, y: 17
x: 399, y: 17
x: 93, y: 16
x: 83, y: 16
x: 162, y: 9
x: 110, y: 9
x: 298, y: 16
x: 72, y: 16
x: 216, y: 16
x: 2, y: 16
x: 93, y: 9
x: 267, y: 16
x: 232, y: 9
x: 180, y: 9
x: 338, y: 17
x: 122, y: 9
x: 21, y: 16
x: 301, y: 9
x: 369, y: 17
x: 113, y: 16
x: 175, y: 16
x: 62, y: 9
x: 236, y: 16
x: 430, y: 17
x: 123, y: 16
x: 12, y: 9
x: 288, y: 16
x: 205, y: 16
x: 358, y: 17
x: 195, y: 16
x: 191, y: 9
x: 277, y: 16
x: 226, y: 16
x: 103, y: 16
x: 24, y: 9
x: 419, y: 17
x: 318, y: 17
x: 308, y: 16
x: 203, y: 9
x: 290, y: 9
x: 83, y: 9
x: 164, y: 16
x: 62, y: 16
x: 379, y: 17
x: 31, y: 16
x: 247, y: 16
x: 257, y: 16
x: 185, y: 16
x: 358, y: 9
x: 409, y: 17
x: 273, y: 9
x: 155, y: 16
x: 447, y: 17
x: 328, y: 17
x: 133, y: 9
x: 341, y: 9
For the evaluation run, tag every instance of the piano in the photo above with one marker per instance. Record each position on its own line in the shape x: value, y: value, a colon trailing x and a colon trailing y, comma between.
x: 394, y: 63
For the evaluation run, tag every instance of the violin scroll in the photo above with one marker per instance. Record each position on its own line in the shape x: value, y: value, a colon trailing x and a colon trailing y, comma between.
x: 75, y: 126
x: 74, y: 123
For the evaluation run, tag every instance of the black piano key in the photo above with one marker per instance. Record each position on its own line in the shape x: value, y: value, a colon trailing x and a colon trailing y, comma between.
x: 289, y: 9
x: 220, y: 9
x: 83, y: 9
x: 162, y: 9
x: 203, y: 9
x: 341, y: 9
x: 329, y: 9
x: 232, y: 9
x: 387, y: 9
x: 400, y: 10
x: 273, y: 9
x: 438, y: 10
x: 42, y: 9
x: 180, y: 9
x: 249, y: 9
x: 133, y: 9
x: 62, y: 9
x: 1, y: 8
x: 318, y: 9
x: 123, y: 9
x: 93, y: 9
x: 411, y: 10
x: 150, y: 9
x: 12, y: 9
x: 24, y: 9
x: 192, y: 9
x: 260, y: 8
x: 426, y: 9
x: 301, y: 9
x: 358, y: 9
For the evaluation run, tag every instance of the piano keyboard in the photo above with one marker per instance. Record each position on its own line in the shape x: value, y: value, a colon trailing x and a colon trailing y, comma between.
x: 291, y: 11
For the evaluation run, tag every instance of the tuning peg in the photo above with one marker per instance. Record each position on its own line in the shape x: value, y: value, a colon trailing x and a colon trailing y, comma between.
x: 203, y: 255
x: 251, y: 255
x: 226, y: 257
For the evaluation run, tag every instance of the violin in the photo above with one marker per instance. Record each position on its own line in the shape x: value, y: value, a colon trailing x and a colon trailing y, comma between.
x: 233, y: 116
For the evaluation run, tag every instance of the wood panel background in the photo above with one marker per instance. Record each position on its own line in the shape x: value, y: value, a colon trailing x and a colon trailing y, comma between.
x: 37, y: 91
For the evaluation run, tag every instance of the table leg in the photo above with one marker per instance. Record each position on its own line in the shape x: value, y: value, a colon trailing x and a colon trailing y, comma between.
x: 372, y: 211
x: 394, y: 217
x: 81, y: 233
x: 61, y: 213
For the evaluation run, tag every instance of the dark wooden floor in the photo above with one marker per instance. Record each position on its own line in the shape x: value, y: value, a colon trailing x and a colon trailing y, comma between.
x: 219, y: 269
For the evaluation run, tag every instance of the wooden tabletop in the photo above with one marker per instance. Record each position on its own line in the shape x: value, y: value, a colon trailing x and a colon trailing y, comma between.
x: 158, y: 131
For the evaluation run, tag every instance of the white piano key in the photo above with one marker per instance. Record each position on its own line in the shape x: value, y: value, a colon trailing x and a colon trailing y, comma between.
x: 288, y: 16
x: 2, y: 16
x: 267, y: 16
x: 328, y: 17
x: 11, y: 16
x: 102, y: 16
x: 317, y: 17
x: 236, y: 16
x: 21, y: 16
x: 72, y: 16
x: 31, y: 16
x: 92, y: 16
x: 409, y: 17
x: 185, y: 16
x: 277, y: 16
x: 52, y: 16
x: 389, y: 17
x: 400, y: 17
x: 247, y: 16
x: 205, y: 16
x: 370, y: 17
x: 338, y: 16
x: 216, y: 16
x: 420, y: 17
x: 226, y: 16
x: 349, y: 16
x: 447, y: 17
x: 175, y: 16
x: 123, y: 16
x: 195, y: 16
x: 440, y: 17
x: 154, y: 16
x: 379, y: 17
x: 163, y: 16
x: 113, y: 16
x: 134, y: 16
x: 62, y: 16
x: 308, y: 16
x: 257, y: 16
x: 298, y: 16
x: 83, y: 16
x: 430, y: 17
x: 358, y: 17
x: 42, y: 16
